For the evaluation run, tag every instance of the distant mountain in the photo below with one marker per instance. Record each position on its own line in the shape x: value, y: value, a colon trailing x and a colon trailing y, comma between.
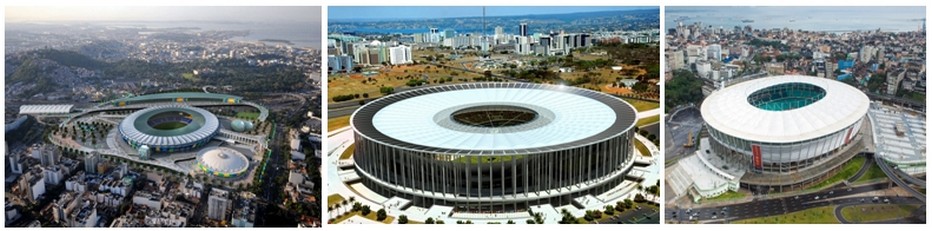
x: 572, y: 22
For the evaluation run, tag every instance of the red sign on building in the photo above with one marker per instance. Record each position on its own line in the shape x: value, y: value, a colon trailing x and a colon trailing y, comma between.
x: 848, y: 136
x: 758, y: 160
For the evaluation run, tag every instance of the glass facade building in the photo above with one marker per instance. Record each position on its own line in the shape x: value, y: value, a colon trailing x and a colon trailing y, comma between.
x: 509, y: 176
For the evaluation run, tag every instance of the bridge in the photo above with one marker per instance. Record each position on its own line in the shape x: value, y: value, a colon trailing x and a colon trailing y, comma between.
x: 895, y: 176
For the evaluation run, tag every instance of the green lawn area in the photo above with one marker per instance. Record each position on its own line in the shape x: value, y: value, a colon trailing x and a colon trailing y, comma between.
x: 169, y: 125
x: 336, y: 123
x: 847, y: 170
x: 727, y: 196
x: 641, y: 148
x: 247, y: 115
x: 872, y: 213
x: 872, y: 174
x: 348, y: 152
x: 648, y: 120
x: 189, y: 76
x: 372, y: 216
x: 334, y: 199
x: 819, y: 215
x: 641, y: 105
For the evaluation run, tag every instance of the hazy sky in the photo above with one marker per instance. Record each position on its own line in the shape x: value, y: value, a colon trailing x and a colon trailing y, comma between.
x: 309, y: 14
x: 411, y: 12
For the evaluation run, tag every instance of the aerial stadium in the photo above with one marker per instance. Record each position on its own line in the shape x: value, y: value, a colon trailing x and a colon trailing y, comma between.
x: 785, y: 132
x: 187, y: 132
x: 169, y: 128
x: 492, y: 147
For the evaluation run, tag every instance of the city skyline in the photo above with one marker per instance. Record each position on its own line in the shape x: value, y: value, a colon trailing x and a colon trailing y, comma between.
x: 371, y: 13
x: 829, y: 19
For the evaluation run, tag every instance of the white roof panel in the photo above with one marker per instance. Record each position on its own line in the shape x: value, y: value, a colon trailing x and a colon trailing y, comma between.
x: 418, y: 120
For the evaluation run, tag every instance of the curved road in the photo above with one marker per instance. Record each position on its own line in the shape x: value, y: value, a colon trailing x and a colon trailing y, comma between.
x: 896, y: 179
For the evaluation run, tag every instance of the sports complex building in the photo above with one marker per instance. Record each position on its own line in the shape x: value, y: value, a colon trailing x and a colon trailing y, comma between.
x: 488, y: 147
x: 169, y: 128
x: 180, y: 131
x: 775, y: 134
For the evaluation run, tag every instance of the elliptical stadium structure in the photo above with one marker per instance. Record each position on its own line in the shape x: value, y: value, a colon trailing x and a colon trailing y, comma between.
x: 785, y: 131
x: 492, y: 147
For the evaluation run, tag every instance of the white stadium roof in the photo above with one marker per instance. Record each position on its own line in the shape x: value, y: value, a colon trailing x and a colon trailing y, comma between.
x: 419, y: 120
x: 729, y: 111
x: 46, y: 109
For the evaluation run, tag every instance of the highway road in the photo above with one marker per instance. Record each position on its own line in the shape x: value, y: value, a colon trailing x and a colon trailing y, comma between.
x: 896, y: 179
x: 785, y: 205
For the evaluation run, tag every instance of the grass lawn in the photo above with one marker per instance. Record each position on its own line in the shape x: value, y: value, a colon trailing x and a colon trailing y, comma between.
x: 872, y: 213
x: 334, y: 199
x: 372, y: 216
x: 641, y: 148
x: 728, y: 196
x: 641, y: 105
x: 189, y: 76
x: 872, y: 174
x: 336, y: 123
x: 847, y: 170
x: 819, y: 215
x: 169, y: 125
x: 648, y: 120
x: 348, y: 152
x: 247, y: 115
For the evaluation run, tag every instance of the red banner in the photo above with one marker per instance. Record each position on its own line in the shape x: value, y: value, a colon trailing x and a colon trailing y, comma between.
x: 758, y: 160
x: 848, y: 136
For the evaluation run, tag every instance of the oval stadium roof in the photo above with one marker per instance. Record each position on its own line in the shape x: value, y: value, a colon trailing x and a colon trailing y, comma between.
x: 568, y: 116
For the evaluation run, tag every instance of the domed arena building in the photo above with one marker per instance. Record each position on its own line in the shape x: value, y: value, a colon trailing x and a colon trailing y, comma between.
x: 222, y: 162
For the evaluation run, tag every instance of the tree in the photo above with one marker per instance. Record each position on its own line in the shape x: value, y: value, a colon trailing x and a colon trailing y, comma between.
x: 510, y: 222
x: 365, y: 210
x: 381, y: 215
x: 356, y: 207
x: 430, y: 220
x: 530, y: 221
x: 402, y: 219
x: 610, y: 210
x: 639, y: 198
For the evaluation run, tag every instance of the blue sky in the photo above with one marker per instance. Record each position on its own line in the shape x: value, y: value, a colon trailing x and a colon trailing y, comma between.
x: 419, y: 12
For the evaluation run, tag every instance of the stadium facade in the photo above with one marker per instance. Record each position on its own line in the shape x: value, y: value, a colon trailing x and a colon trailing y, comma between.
x: 169, y: 128
x: 785, y: 130
x: 492, y: 147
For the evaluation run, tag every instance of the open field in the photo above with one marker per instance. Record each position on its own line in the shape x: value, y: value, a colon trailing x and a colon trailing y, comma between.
x: 336, y: 123
x: 641, y: 105
x: 396, y: 76
x: 874, y: 213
